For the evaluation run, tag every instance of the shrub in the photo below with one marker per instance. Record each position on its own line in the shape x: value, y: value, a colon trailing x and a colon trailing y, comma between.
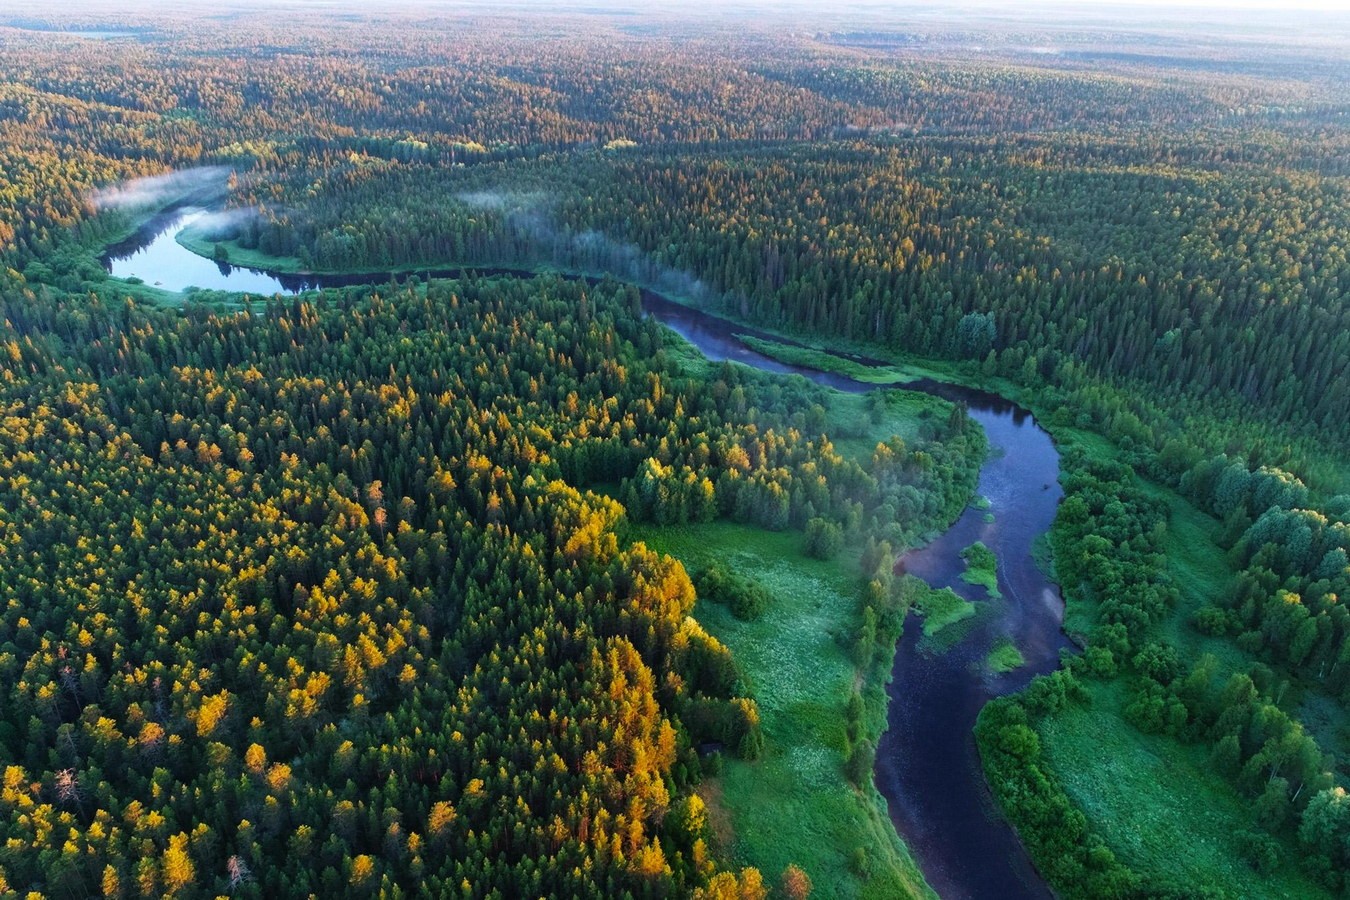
x: 824, y: 539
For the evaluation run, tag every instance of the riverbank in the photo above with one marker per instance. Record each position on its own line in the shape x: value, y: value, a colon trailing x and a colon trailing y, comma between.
x: 794, y: 804
x: 1159, y: 783
x: 818, y: 727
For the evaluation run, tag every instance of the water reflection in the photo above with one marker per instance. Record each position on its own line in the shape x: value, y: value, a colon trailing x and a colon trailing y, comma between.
x: 154, y: 256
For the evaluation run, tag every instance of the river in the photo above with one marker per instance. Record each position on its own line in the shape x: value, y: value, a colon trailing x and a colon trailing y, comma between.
x: 927, y: 767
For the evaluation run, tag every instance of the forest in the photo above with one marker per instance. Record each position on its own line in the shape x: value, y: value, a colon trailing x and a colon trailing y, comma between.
x: 306, y: 609
x: 491, y: 585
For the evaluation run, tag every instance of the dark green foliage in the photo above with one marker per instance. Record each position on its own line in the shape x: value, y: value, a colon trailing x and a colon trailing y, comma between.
x: 747, y: 599
x: 1325, y: 834
x: 860, y: 762
x: 824, y: 539
x: 975, y: 335
x: 1261, y: 851
x: 245, y: 623
x: 1057, y: 834
x: 1108, y: 540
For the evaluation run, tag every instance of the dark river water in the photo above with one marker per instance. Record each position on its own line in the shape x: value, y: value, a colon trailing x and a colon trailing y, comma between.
x: 928, y: 768
x: 927, y: 765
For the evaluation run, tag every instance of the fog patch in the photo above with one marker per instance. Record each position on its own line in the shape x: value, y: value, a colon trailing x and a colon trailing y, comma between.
x: 216, y: 223
x: 199, y: 185
x: 529, y: 216
x: 499, y: 201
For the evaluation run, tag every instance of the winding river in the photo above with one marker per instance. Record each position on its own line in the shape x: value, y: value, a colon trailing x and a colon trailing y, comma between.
x: 927, y: 764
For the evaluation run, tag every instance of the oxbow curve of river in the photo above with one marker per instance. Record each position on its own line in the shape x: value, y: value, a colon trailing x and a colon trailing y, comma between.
x: 927, y: 767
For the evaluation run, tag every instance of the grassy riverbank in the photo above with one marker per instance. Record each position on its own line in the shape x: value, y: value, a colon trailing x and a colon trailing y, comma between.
x: 75, y: 264
x: 825, y: 362
x: 199, y: 242
x: 795, y: 804
x: 1152, y: 799
x: 1158, y: 803
x: 120, y: 289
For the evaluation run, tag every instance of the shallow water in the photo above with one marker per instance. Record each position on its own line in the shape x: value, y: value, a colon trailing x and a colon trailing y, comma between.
x: 927, y: 765
x: 92, y: 35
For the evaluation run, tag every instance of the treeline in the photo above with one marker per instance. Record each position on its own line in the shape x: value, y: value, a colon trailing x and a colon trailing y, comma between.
x: 1103, y: 265
x: 777, y: 481
x: 1285, y: 609
x: 302, y: 599
x: 897, y: 244
x: 1293, y: 554
x: 975, y: 98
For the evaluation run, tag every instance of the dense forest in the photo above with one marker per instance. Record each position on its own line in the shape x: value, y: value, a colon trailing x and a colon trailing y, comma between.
x: 337, y: 594
x: 315, y: 597
x: 909, y: 246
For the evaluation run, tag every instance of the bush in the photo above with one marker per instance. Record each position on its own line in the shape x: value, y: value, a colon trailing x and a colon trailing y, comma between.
x: 748, y: 600
x: 1212, y: 620
x: 824, y: 539
x: 860, y: 762
x: 1100, y: 662
x: 1261, y: 851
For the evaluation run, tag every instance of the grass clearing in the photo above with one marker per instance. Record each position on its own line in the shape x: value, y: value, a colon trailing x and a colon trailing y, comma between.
x: 1202, y: 573
x: 1157, y: 803
x: 858, y: 422
x: 794, y: 804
